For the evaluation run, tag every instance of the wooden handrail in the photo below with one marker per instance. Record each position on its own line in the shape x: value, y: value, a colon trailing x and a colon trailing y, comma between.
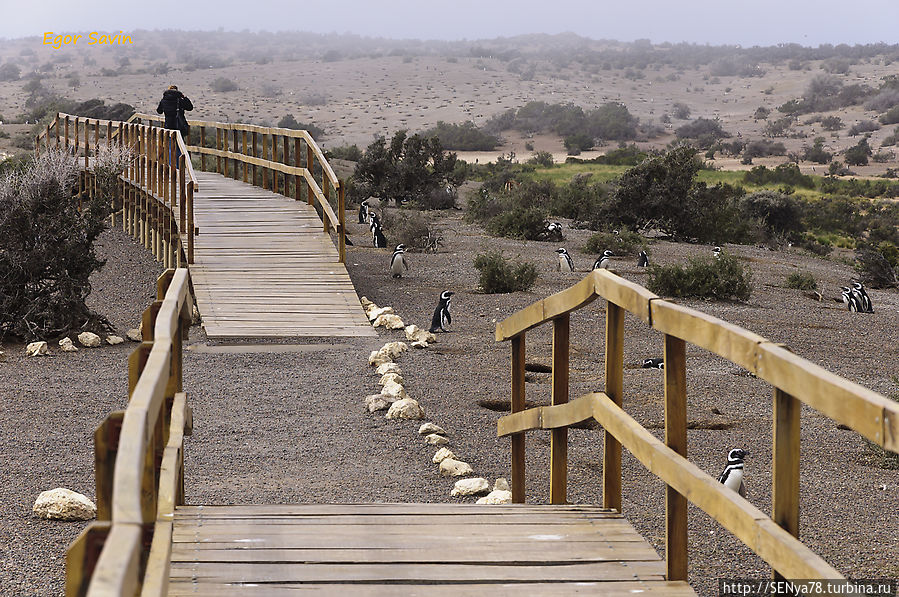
x: 232, y: 149
x: 148, y: 475
x: 795, y: 379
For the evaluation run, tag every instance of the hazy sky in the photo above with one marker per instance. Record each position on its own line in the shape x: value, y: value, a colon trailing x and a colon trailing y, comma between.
x: 745, y: 22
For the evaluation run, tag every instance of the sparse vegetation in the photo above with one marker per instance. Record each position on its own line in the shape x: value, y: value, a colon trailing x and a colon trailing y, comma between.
x: 624, y: 242
x: 703, y: 277
x: 223, y: 85
x: 499, y: 276
x: 289, y: 122
x: 802, y: 281
x: 462, y: 137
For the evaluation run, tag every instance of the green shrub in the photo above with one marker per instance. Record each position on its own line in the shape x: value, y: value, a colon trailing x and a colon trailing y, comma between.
x: 891, y: 116
x: 410, y: 228
x: 500, y: 276
x: 289, y: 122
x: 802, y: 281
x: 623, y: 243
x: 463, y: 137
x: 528, y: 223
x: 874, y: 269
x: 702, y: 277
x: 223, y: 85
x: 345, y: 152
x: 542, y: 158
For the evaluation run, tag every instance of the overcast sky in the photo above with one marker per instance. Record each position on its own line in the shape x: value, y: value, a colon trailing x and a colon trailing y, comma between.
x: 745, y: 22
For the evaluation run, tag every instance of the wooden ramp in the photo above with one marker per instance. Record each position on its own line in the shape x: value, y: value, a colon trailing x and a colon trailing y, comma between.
x: 264, y: 268
x: 433, y: 550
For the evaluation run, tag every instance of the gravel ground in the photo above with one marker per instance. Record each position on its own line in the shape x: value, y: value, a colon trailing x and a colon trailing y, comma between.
x: 290, y: 426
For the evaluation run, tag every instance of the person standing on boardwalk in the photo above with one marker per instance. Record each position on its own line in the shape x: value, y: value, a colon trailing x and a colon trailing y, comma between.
x: 173, y: 104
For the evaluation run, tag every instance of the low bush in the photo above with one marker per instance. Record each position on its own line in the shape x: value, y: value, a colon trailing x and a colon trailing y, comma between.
x: 528, y: 223
x: 410, y: 228
x: 891, y: 116
x: 864, y: 126
x: 702, y: 277
x: 542, y: 158
x: 499, y: 276
x: 289, y: 122
x: 802, y: 281
x: 222, y: 85
x: 345, y: 152
x: 463, y: 137
x: 623, y: 243
x: 874, y: 270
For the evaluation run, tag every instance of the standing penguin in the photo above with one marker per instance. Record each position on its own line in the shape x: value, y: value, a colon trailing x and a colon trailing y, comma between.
x: 732, y: 477
x: 717, y: 252
x: 565, y: 262
x: 642, y: 259
x: 442, y: 317
x: 398, y: 262
x: 363, y: 211
x: 603, y: 262
x: 858, y: 290
x: 851, y: 300
x: 378, y: 240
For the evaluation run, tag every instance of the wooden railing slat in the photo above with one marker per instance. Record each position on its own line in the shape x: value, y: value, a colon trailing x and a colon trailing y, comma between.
x: 614, y: 374
x: 675, y: 356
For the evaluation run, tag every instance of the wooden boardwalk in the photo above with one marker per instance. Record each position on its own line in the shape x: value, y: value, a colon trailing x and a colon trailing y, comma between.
x: 411, y: 549
x: 264, y: 268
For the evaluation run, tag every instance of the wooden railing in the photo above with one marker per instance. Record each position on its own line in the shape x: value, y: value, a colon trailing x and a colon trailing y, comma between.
x: 282, y: 160
x: 139, y: 462
x: 157, y: 187
x: 795, y: 380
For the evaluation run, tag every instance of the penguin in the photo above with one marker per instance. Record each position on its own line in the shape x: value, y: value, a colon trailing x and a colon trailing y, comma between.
x: 864, y: 300
x: 603, y: 262
x: 642, y: 259
x: 373, y: 220
x: 850, y: 299
x: 732, y: 477
x: 654, y: 363
x: 565, y: 262
x: 363, y: 212
x: 442, y: 317
x: 398, y: 261
x: 379, y: 241
x: 717, y: 252
x: 553, y: 231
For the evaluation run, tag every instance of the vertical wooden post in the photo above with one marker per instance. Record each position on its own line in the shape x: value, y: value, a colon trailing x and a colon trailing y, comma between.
x: 611, y: 467
x: 75, y: 136
x: 785, y: 468
x: 67, y: 132
x: 264, y: 157
x: 274, y: 159
x: 87, y: 143
x: 202, y: 147
x: 518, y: 439
x: 298, y: 162
x: 243, y: 150
x: 225, y: 161
x: 182, y: 191
x: 255, y: 145
x: 285, y: 159
x: 56, y: 124
x: 190, y: 222
x: 310, y: 164
x: 326, y: 190
x: 235, y: 144
x: 676, y: 439
x: 341, y: 222
x: 218, y: 145
x: 558, y: 483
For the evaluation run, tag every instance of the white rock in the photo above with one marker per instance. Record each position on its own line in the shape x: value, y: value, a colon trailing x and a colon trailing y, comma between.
x: 134, y: 335
x: 394, y: 349
x: 391, y: 378
x: 496, y: 497
x: 377, y: 402
x: 378, y: 358
x: 442, y: 454
x: 365, y: 302
x: 113, y: 340
x: 429, y: 428
x: 395, y: 391
x: 64, y: 504
x: 501, y: 485
x: 89, y: 339
x: 407, y: 408
x: 37, y: 349
x: 470, y: 486
x: 419, y: 344
x: 416, y: 334
x: 390, y: 367
x: 435, y: 439
x: 66, y: 345
x: 389, y: 321
x: 376, y: 312
x: 450, y: 467
x: 195, y: 316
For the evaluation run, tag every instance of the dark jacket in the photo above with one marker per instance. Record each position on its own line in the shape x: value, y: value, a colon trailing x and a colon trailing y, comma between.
x: 172, y: 101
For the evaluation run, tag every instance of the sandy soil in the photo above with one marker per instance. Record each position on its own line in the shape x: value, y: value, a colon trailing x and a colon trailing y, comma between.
x: 291, y: 426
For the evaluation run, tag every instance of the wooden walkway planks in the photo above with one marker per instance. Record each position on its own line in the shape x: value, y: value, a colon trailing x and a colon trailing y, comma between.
x: 411, y: 549
x: 264, y: 268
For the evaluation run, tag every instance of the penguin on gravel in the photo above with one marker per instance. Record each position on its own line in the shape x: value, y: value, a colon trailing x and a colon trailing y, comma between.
x: 378, y: 240
x: 851, y: 300
x: 603, y: 262
x: 442, y: 317
x: 565, y: 262
x: 732, y: 477
x: 363, y: 212
x: 642, y: 259
x: 858, y: 290
x: 398, y: 262
x: 654, y: 363
x: 716, y: 252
